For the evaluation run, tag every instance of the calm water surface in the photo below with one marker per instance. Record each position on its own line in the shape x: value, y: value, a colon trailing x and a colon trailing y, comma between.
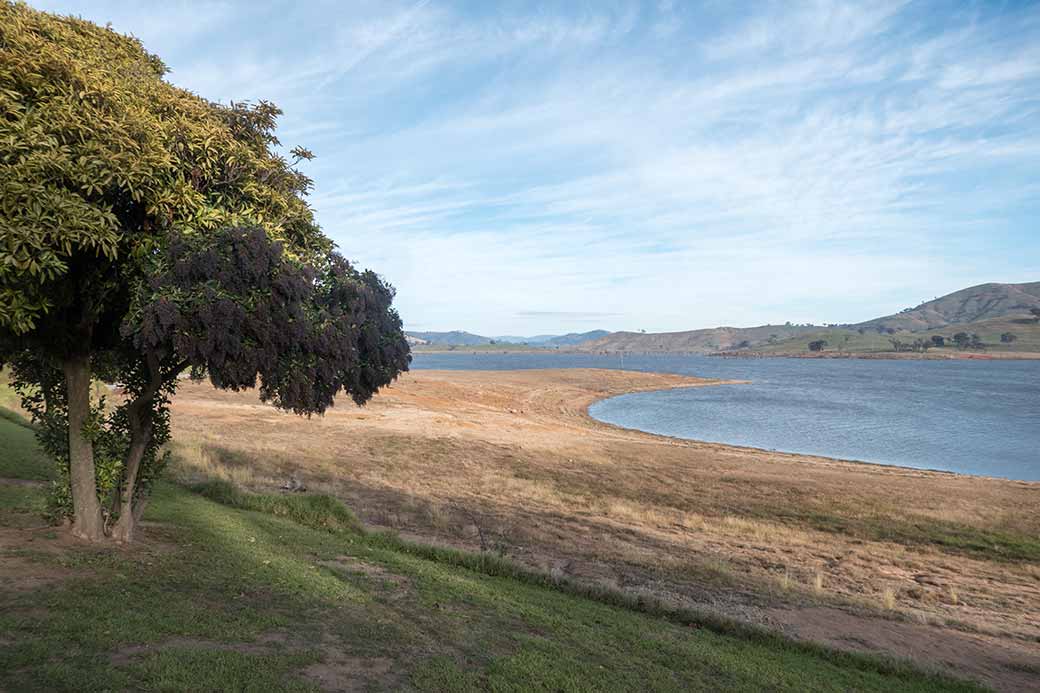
x: 973, y: 417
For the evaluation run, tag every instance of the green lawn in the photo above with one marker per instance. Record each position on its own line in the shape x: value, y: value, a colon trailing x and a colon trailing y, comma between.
x: 279, y: 593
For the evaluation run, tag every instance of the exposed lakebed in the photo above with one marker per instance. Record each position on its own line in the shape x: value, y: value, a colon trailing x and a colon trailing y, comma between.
x: 971, y: 417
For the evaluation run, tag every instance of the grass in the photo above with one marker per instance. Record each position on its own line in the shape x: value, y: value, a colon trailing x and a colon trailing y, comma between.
x: 236, y: 591
x: 1026, y: 331
x: 20, y: 458
x: 911, y: 530
x: 312, y: 510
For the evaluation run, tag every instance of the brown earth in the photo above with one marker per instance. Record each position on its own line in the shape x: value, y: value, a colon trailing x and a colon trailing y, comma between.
x: 865, y: 557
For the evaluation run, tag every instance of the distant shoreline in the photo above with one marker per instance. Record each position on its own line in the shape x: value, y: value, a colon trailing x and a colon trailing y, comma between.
x: 894, y: 356
x: 880, y: 355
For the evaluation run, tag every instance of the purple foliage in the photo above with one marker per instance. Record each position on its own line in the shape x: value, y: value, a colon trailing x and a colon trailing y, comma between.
x: 234, y: 306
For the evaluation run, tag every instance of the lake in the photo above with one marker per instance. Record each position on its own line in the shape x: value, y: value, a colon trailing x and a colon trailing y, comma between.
x: 971, y: 417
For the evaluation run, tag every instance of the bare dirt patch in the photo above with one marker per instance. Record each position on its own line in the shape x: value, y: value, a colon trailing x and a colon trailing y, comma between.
x: 265, y: 644
x: 338, y: 670
x: 24, y: 564
x: 1007, y: 666
x: 391, y: 586
x: 341, y: 671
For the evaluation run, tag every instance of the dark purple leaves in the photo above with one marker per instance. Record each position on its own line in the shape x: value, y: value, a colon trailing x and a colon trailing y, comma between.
x: 234, y: 305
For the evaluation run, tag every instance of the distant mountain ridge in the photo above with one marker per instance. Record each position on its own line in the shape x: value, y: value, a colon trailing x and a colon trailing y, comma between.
x: 453, y: 338
x: 571, y: 338
x: 461, y: 338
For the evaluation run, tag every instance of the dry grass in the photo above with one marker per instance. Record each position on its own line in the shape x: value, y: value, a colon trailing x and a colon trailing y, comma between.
x: 703, y: 524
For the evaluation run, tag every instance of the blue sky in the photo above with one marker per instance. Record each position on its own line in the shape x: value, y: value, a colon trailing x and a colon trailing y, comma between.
x: 525, y: 168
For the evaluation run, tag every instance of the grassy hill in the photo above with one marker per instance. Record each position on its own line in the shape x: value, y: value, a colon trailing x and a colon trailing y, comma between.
x: 233, y: 591
x: 972, y: 305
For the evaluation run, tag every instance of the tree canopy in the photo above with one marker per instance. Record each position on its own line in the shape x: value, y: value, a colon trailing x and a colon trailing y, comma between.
x: 145, y: 231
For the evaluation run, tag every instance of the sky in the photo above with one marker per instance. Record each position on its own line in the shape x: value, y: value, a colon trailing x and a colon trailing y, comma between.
x: 524, y: 168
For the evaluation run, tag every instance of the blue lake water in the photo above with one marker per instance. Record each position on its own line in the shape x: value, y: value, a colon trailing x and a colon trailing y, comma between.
x: 972, y: 417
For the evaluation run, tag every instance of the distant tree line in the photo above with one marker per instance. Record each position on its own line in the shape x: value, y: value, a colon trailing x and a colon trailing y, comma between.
x: 963, y: 340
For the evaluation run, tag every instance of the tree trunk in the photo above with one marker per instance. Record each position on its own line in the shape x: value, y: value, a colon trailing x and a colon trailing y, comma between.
x: 139, y: 418
x: 87, y: 522
x: 123, y: 531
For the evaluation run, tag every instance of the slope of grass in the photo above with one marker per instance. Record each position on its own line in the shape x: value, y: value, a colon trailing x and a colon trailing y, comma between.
x: 19, y: 456
x: 273, y: 593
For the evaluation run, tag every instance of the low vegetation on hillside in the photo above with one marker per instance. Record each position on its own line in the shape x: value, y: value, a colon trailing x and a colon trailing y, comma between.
x: 995, y: 336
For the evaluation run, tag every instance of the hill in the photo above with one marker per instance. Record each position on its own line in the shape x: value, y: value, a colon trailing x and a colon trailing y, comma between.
x: 453, y: 338
x: 571, y: 338
x: 974, y: 304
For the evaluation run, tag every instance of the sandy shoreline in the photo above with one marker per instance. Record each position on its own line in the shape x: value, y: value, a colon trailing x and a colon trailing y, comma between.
x: 933, y: 565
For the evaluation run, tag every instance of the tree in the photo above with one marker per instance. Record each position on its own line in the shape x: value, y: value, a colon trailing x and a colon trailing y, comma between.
x: 976, y: 343
x: 145, y: 231
x: 1008, y: 337
x: 818, y: 345
x: 938, y: 340
x: 1036, y: 314
x: 918, y: 345
x: 962, y: 340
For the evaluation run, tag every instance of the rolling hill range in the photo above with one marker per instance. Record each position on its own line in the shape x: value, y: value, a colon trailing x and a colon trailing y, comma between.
x: 999, y: 314
x: 990, y: 311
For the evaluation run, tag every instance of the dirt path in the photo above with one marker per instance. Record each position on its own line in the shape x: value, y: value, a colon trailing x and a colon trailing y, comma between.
x: 908, y: 562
